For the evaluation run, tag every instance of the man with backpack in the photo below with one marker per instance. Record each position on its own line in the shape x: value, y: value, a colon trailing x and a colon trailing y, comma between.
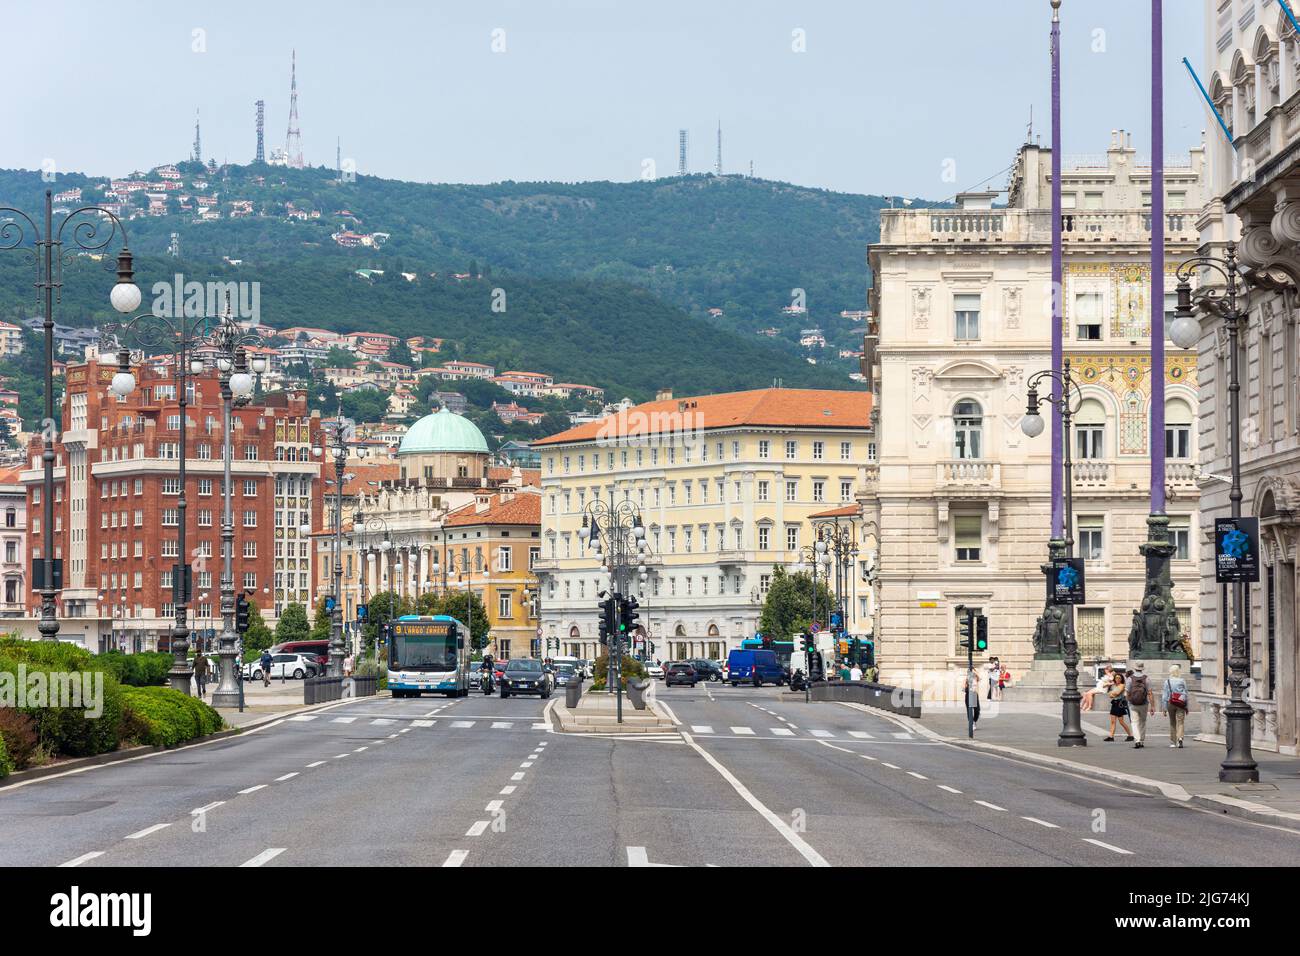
x: 1138, y: 691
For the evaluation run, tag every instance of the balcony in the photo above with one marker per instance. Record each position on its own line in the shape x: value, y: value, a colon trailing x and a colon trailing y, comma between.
x: 963, y: 474
x: 903, y: 226
x: 1129, y: 474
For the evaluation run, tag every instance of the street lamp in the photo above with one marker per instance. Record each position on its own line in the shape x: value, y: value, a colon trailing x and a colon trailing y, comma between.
x: 87, y: 234
x: 1066, y: 400
x: 1231, y: 304
x: 841, y: 543
x: 617, y: 535
x: 336, y: 437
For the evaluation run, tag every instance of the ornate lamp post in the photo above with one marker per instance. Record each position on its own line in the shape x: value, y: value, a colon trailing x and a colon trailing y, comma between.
x: 1066, y: 400
x: 842, y: 545
x: 335, y: 441
x: 88, y: 234
x: 1232, y: 306
x: 616, y: 533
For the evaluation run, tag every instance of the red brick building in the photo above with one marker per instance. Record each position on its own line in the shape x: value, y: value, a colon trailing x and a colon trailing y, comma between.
x: 117, y: 488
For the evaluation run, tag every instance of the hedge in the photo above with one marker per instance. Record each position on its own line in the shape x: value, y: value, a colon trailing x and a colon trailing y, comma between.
x: 67, y: 731
x: 6, y: 765
x: 632, y: 669
x: 164, y: 717
x: 147, y: 669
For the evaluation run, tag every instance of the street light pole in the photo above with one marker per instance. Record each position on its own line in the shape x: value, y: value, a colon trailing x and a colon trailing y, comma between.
x: 336, y: 442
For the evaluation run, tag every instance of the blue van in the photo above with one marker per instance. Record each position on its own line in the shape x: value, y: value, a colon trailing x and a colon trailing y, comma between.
x: 755, y: 667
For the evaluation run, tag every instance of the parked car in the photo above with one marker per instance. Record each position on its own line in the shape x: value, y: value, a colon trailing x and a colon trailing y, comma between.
x: 318, y: 651
x: 653, y: 670
x: 523, y: 675
x: 296, y: 666
x: 681, y: 672
x: 757, y: 667
x: 707, y: 669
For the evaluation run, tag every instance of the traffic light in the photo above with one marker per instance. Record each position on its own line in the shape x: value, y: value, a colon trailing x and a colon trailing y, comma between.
x: 964, y: 627
x: 627, y: 616
x: 868, y: 653
x: 805, y: 643
x: 608, y: 610
x: 241, y: 614
x: 854, y: 645
x: 981, y: 633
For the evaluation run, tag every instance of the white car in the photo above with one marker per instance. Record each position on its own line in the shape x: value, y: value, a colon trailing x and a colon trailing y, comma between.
x: 296, y: 666
x: 654, y: 670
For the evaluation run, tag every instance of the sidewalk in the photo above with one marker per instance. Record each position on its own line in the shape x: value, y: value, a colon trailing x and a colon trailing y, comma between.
x: 1029, y: 731
x: 261, y: 704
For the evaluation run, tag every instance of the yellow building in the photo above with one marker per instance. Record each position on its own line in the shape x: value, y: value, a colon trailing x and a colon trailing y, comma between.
x: 725, y: 485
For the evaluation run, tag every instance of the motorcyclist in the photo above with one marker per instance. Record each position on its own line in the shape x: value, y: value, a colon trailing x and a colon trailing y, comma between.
x: 485, y: 669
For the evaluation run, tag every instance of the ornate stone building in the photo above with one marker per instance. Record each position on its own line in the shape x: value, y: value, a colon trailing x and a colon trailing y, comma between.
x: 1252, y: 57
x: 962, y: 304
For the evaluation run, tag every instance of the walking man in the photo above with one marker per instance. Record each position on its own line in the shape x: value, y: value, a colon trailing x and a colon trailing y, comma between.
x: 1138, y: 690
x: 200, y: 673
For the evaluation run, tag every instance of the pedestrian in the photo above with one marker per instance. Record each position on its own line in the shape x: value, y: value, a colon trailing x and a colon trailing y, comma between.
x: 1004, y: 678
x: 972, y: 693
x: 348, y: 664
x: 1138, y: 690
x: 1174, y: 699
x: 1103, y: 684
x: 855, y: 672
x: 994, y: 672
x: 200, y: 673
x: 265, y: 661
x: 1118, y: 707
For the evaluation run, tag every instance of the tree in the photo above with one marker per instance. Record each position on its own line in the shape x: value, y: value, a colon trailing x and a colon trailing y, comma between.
x: 339, y: 358
x: 292, y: 625
x: 553, y: 423
x: 380, y: 609
x: 258, y: 637
x: 788, y: 609
x: 400, y: 353
x: 322, y: 626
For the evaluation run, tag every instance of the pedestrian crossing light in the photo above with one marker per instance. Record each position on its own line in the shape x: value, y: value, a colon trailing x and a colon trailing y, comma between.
x: 628, y: 616
x: 241, y: 614
x: 965, y: 625
x: 981, y: 633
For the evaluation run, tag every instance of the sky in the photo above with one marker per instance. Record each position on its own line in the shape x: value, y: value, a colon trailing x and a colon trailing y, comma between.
x: 894, y: 97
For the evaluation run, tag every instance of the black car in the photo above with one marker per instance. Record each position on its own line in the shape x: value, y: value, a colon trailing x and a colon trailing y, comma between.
x: 524, y: 675
x: 680, y: 672
x: 706, y: 669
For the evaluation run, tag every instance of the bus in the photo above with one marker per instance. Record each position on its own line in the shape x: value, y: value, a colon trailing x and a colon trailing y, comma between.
x: 783, y: 648
x: 428, y: 654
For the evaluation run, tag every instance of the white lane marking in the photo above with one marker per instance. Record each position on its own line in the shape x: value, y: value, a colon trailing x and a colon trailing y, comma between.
x: 141, y: 834
x: 339, y: 756
x: 434, y: 711
x: 944, y: 786
x: 506, y: 791
x: 867, y: 757
x: 478, y: 828
x: 782, y: 732
x: 913, y: 773
x: 821, y: 733
x: 669, y: 711
x: 794, y: 839
x: 211, y: 806
x: 264, y: 857
x: 421, y: 723
x: 382, y: 722
x: 493, y: 806
x: 502, y: 724
x: 391, y: 736
x: 701, y: 729
x: 541, y: 726
x: 526, y: 764
x: 542, y: 743
x: 381, y: 740
x: 260, y: 786
x: 316, y: 763
x: 991, y: 806
x: 287, y: 776
x: 890, y: 766
x: 637, y: 856
x: 1041, y: 823
x: 749, y: 731
x: 903, y: 735
x: 517, y: 776
x: 305, y: 717
x: 1107, y: 846
x: 861, y: 735
x: 455, y: 858
x: 462, y: 723
x: 407, y: 730
x: 358, y: 750
x: 83, y: 858
x: 344, y: 720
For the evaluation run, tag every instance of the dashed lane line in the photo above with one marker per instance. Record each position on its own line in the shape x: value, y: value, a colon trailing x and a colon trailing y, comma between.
x: 455, y: 858
x: 287, y: 776
x: 890, y: 766
x: 478, y: 828
x: 1107, y: 846
x: 517, y: 776
x: 944, y: 786
x: 493, y: 806
x: 85, y: 857
x: 264, y: 857
x: 253, y: 789
x: 991, y: 806
x: 913, y: 773
x: 141, y: 834
x: 1041, y: 823
x: 316, y: 763
x: 506, y: 791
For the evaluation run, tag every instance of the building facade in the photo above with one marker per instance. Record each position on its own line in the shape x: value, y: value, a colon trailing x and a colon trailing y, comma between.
x: 724, y: 484
x: 1252, y: 57
x: 962, y: 299
x: 13, y: 544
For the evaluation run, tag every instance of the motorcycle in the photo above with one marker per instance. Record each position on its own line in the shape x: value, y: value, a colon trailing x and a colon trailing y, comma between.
x: 485, y: 683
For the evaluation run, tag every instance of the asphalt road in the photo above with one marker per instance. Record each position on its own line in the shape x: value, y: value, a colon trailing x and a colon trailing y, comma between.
x: 753, y: 777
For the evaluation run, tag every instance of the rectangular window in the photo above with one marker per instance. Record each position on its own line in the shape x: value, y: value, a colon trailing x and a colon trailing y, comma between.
x: 505, y: 559
x: 966, y: 316
x: 171, y: 486
x: 205, y: 517
x: 250, y: 519
x: 846, y: 490
x: 1090, y: 441
x: 1180, y: 536
x: 250, y: 581
x: 205, y: 486
x: 250, y: 453
x: 819, y: 488
x: 792, y: 490
x: 250, y: 549
x: 1178, y: 441
x: 966, y: 537
x: 170, y: 517
x: 1088, y: 315
x: 505, y: 604
x: 763, y: 447
x: 846, y: 451
x: 250, y: 488
x: 791, y: 450
x: 819, y: 448
x: 762, y: 490
x: 1091, y: 538
x: 792, y: 538
x: 762, y: 538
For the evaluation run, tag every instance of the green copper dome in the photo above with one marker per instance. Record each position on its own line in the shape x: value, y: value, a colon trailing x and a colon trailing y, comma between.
x: 443, y: 431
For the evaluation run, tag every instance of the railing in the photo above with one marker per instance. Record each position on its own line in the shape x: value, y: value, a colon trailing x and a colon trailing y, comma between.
x: 1030, y: 225
x: 1090, y: 473
x: 1181, y: 473
x: 320, y: 690
x: 968, y: 473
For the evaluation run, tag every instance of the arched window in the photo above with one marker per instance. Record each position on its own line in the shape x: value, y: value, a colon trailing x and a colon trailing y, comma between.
x: 1090, y: 430
x: 1178, y: 429
x: 968, y: 429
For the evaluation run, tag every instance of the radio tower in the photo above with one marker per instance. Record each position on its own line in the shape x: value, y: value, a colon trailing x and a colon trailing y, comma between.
x: 293, y: 140
x: 719, y: 167
x: 681, y: 152
x: 198, y: 143
x: 261, y: 117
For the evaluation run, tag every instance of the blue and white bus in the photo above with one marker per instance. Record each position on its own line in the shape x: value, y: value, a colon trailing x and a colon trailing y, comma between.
x: 428, y: 654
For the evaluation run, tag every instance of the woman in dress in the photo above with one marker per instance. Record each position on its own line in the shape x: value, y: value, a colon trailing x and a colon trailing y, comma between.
x: 1118, y: 707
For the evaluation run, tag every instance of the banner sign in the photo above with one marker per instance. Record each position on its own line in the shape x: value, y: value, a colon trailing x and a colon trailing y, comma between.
x: 1065, y: 582
x: 1236, y: 550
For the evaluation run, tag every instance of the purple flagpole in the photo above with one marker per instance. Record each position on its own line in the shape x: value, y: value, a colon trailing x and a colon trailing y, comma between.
x: 1157, y: 262
x: 1058, y: 291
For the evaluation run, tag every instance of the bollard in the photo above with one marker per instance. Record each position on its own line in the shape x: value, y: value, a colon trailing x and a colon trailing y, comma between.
x: 636, y: 693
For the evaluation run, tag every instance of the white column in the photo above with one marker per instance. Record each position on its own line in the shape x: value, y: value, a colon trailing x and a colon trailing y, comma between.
x: 1260, y: 98
x: 1283, y: 70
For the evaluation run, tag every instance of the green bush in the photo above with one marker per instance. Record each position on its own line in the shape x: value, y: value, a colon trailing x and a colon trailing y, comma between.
x: 632, y: 670
x: 164, y: 717
x: 75, y: 732
x: 6, y: 765
x: 147, y: 669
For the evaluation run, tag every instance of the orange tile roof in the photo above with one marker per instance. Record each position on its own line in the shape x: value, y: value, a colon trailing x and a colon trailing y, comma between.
x: 848, y: 511
x: 521, y: 509
x: 9, y: 476
x: 362, y: 475
x: 772, y: 407
x: 530, y: 476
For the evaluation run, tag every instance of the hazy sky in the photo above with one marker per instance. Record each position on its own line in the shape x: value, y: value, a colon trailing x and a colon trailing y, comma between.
x: 883, y: 94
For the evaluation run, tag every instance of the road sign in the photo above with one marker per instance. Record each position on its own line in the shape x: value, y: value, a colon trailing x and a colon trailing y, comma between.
x: 1065, y: 583
x: 1236, y: 550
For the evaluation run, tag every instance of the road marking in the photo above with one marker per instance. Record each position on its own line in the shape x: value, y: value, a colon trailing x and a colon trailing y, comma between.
x: 794, y: 839
x: 913, y: 773
x: 541, y: 726
x: 344, y: 720
x: 359, y: 749
x: 991, y: 806
x: 542, y: 743
x: 305, y: 717
x: 265, y: 856
x: 502, y: 724
x: 339, y: 756
x: 517, y: 776
x: 260, y: 786
x: 421, y: 723
x: 434, y: 711
x: 391, y: 736
x: 407, y: 730
x: 637, y: 856
x: 462, y: 723
x: 382, y: 722
x: 701, y: 729
x: 944, y: 786
x: 821, y: 733
x: 903, y: 735
x: 1041, y: 823
x: 315, y: 764
x: 381, y: 740
x: 890, y: 766
x: 287, y: 776
x: 867, y: 757
x: 1107, y: 846
x: 506, y: 791
x: 493, y: 806
x: 141, y: 834
x: 743, y: 730
x: 478, y: 828
x: 526, y: 764
x: 861, y: 735
x: 83, y: 858
x: 455, y: 858
x: 211, y: 806
x: 782, y: 732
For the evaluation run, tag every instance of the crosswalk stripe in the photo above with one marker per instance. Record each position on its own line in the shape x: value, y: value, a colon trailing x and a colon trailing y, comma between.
x: 743, y: 730
x: 462, y: 723
x: 501, y: 725
x: 456, y: 858
x: 861, y: 735
x: 701, y: 729
x: 478, y: 827
x: 382, y: 722
x: 903, y: 735
x: 305, y: 717
x: 423, y: 723
x: 782, y: 732
x: 821, y: 733
x: 344, y: 720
